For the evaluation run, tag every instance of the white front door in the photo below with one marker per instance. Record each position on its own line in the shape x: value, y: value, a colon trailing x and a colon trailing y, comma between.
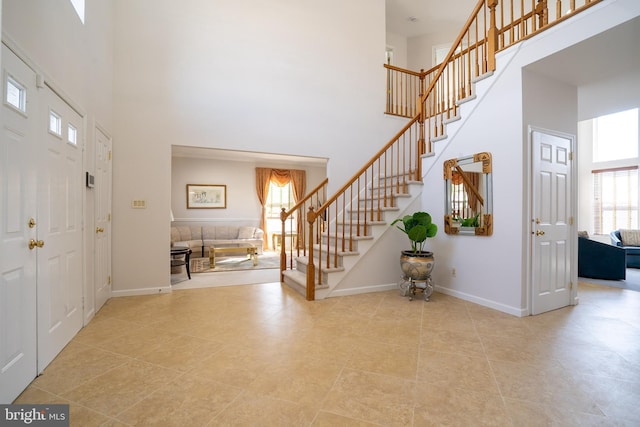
x: 102, y: 243
x: 60, y: 261
x: 552, y: 233
x: 18, y: 172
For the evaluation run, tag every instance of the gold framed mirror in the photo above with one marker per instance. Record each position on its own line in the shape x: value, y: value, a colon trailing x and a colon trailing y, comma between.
x: 469, y: 195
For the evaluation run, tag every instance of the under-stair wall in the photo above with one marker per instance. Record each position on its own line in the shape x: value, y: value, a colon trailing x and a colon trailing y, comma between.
x: 492, y: 271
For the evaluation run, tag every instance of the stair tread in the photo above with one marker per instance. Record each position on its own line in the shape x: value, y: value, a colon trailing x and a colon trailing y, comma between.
x: 301, y: 279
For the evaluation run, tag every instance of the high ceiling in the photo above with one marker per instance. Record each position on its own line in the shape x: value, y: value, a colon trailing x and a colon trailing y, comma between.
x: 411, y: 18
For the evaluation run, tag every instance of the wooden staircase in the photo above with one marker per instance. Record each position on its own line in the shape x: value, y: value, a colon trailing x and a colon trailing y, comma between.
x: 341, y: 230
x: 351, y: 246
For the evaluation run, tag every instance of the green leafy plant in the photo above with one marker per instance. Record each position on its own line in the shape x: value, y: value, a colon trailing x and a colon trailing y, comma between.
x: 418, y: 227
x: 471, y: 221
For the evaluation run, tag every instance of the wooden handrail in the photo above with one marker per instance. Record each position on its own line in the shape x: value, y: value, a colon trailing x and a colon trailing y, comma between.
x: 365, y: 167
x: 286, y: 214
x: 404, y: 70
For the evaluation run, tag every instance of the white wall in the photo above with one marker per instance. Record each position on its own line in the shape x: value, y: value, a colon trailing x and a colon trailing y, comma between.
x: 399, y: 45
x: 420, y: 49
x: 279, y: 76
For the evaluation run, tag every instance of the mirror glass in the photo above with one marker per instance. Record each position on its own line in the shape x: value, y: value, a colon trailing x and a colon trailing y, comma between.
x: 468, y: 195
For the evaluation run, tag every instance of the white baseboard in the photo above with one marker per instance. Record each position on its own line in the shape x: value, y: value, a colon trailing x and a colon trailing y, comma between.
x: 142, y: 291
x: 515, y: 311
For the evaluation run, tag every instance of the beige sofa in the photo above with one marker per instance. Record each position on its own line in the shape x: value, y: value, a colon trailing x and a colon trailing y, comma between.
x: 200, y: 238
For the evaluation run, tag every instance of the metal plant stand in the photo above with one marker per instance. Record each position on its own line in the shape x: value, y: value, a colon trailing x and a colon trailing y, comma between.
x: 409, y: 286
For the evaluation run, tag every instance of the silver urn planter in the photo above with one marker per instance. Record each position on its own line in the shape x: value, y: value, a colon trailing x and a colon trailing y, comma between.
x: 416, y: 266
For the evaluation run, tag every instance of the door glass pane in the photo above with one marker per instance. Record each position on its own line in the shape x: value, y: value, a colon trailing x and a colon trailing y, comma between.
x: 72, y: 134
x: 15, y: 95
x: 55, y: 123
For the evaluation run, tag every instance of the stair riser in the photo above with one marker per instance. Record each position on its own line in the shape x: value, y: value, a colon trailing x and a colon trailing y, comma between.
x: 353, y: 247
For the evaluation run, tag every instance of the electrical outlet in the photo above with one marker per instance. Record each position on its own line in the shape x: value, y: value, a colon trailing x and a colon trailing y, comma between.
x: 453, y: 272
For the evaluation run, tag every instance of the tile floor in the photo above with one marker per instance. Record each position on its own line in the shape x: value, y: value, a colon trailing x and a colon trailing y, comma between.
x: 259, y: 355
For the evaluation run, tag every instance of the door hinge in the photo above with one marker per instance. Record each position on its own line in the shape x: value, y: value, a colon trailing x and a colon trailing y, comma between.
x: 108, y: 217
x: 570, y: 155
x: 108, y: 280
x: 570, y: 285
x: 109, y: 155
x: 570, y: 220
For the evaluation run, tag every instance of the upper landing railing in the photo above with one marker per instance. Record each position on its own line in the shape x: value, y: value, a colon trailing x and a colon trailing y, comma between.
x: 493, y: 26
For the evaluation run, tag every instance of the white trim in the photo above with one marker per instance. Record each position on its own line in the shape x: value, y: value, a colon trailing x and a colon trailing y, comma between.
x: 142, y: 291
x: 516, y: 311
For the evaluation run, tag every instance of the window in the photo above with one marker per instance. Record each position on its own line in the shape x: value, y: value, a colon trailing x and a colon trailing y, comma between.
x: 55, y: 123
x: 279, y: 197
x: 615, y: 184
x: 615, y: 136
x: 72, y: 134
x: 78, y: 5
x: 615, y: 196
x: 16, y: 95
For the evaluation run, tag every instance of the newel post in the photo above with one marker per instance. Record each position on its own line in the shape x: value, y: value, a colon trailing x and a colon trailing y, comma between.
x: 311, y: 268
x: 421, y: 148
x: 492, y: 39
x: 283, y: 253
x: 543, y: 13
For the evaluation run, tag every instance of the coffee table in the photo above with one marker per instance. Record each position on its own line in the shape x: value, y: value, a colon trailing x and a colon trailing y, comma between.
x: 246, y: 249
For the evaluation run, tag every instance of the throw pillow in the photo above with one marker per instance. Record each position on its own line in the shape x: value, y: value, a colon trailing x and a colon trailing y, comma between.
x: 630, y: 237
x: 246, y: 232
x: 583, y: 234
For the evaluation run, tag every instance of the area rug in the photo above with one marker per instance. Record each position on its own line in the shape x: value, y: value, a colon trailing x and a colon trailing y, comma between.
x: 234, y: 263
x: 632, y: 281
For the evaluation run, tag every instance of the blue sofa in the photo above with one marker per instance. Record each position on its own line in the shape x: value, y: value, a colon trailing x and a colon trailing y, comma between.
x: 633, y: 252
x: 599, y: 260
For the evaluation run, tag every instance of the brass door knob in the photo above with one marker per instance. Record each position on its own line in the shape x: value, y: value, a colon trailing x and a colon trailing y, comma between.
x: 539, y: 233
x: 35, y: 243
x: 99, y: 229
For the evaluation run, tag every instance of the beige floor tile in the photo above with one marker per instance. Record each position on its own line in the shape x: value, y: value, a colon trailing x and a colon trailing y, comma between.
x: 76, y: 365
x: 549, y: 385
x: 456, y: 371
x: 121, y: 387
x: 529, y: 414
x: 435, y: 407
x: 388, y: 359
x: 262, y: 355
x: 372, y: 397
x: 405, y: 332
x: 326, y: 419
x: 306, y: 380
x: 181, y: 352
x: 251, y: 409
x: 452, y: 341
x: 188, y: 401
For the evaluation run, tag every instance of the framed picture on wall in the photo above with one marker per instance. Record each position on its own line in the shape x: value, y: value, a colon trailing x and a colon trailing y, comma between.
x: 206, y: 196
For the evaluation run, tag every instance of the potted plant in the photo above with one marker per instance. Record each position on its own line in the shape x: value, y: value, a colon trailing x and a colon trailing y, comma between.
x: 417, y: 264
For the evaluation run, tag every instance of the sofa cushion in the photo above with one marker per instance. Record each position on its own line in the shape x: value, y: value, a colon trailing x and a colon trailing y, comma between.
x: 630, y: 237
x: 180, y: 233
x: 246, y: 232
x: 226, y: 233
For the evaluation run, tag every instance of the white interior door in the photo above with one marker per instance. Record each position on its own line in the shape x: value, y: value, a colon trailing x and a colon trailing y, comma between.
x: 102, y: 252
x: 552, y: 221
x: 60, y: 260
x: 18, y: 169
